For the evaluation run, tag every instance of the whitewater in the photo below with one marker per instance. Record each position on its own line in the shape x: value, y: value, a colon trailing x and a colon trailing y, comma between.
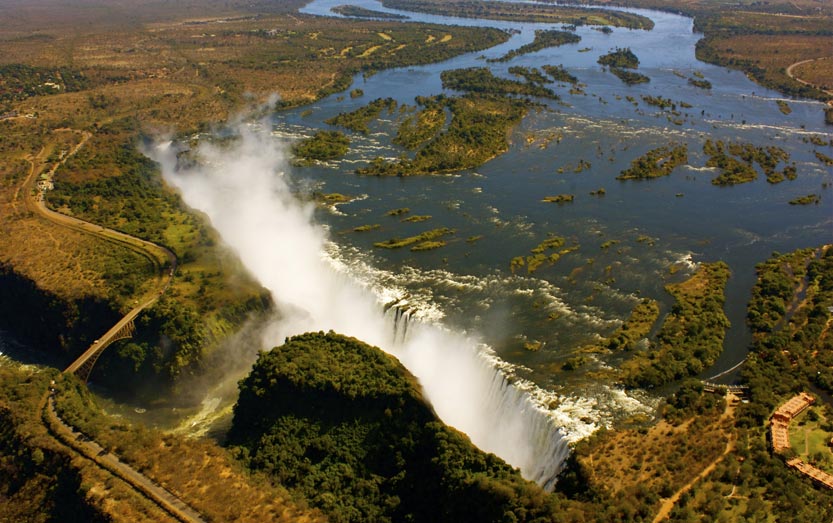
x: 243, y: 189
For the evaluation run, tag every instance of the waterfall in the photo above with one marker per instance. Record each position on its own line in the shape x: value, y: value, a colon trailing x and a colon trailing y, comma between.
x: 240, y: 187
x: 520, y: 430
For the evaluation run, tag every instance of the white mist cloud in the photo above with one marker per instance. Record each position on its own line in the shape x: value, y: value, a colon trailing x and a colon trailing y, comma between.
x: 242, y: 188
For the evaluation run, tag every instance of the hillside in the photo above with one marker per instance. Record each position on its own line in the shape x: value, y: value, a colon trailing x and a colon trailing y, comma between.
x: 346, y: 425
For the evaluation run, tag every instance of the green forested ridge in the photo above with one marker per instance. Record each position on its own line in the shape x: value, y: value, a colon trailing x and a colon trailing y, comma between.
x: 346, y: 425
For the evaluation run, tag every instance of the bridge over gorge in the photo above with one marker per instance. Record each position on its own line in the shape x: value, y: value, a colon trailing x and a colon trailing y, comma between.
x: 83, y: 366
x: 165, y: 262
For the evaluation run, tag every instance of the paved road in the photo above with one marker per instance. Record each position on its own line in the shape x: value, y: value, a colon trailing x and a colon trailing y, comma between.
x: 157, y: 255
x: 93, y: 451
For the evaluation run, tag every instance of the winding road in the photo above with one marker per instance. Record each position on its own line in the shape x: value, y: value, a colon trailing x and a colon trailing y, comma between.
x: 160, y: 257
x: 799, y: 80
x: 165, y: 262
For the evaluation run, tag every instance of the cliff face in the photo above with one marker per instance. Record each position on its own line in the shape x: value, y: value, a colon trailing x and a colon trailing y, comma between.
x: 346, y: 426
x: 172, y: 339
x: 58, y: 326
x: 37, y: 480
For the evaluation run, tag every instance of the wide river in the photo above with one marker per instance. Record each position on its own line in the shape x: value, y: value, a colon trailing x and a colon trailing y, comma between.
x: 628, y: 240
x: 678, y: 220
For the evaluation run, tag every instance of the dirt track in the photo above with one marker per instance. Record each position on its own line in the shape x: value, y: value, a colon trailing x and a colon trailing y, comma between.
x: 668, y: 503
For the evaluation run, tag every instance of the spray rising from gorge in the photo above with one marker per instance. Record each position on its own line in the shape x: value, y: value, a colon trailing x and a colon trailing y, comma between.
x: 243, y: 189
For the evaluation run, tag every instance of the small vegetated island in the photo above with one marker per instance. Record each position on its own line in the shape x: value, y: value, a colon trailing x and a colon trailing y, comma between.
x: 476, y: 133
x: 622, y: 58
x: 522, y: 12
x: 355, y: 11
x: 656, y: 163
x: 701, y: 83
x: 346, y: 426
x: 358, y: 120
x: 810, y: 199
x: 559, y: 73
x: 823, y: 158
x: 548, y: 251
x: 619, y: 61
x: 559, y: 198
x: 425, y: 241
x: 322, y: 146
x: 481, y: 80
x: 736, y: 162
x: 543, y: 39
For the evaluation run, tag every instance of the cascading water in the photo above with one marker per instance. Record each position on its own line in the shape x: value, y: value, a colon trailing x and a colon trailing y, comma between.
x: 399, y: 314
x: 241, y: 190
x: 511, y: 424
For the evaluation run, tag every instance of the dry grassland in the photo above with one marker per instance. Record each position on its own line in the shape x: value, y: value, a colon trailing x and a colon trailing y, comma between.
x: 66, y: 263
x: 776, y: 54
